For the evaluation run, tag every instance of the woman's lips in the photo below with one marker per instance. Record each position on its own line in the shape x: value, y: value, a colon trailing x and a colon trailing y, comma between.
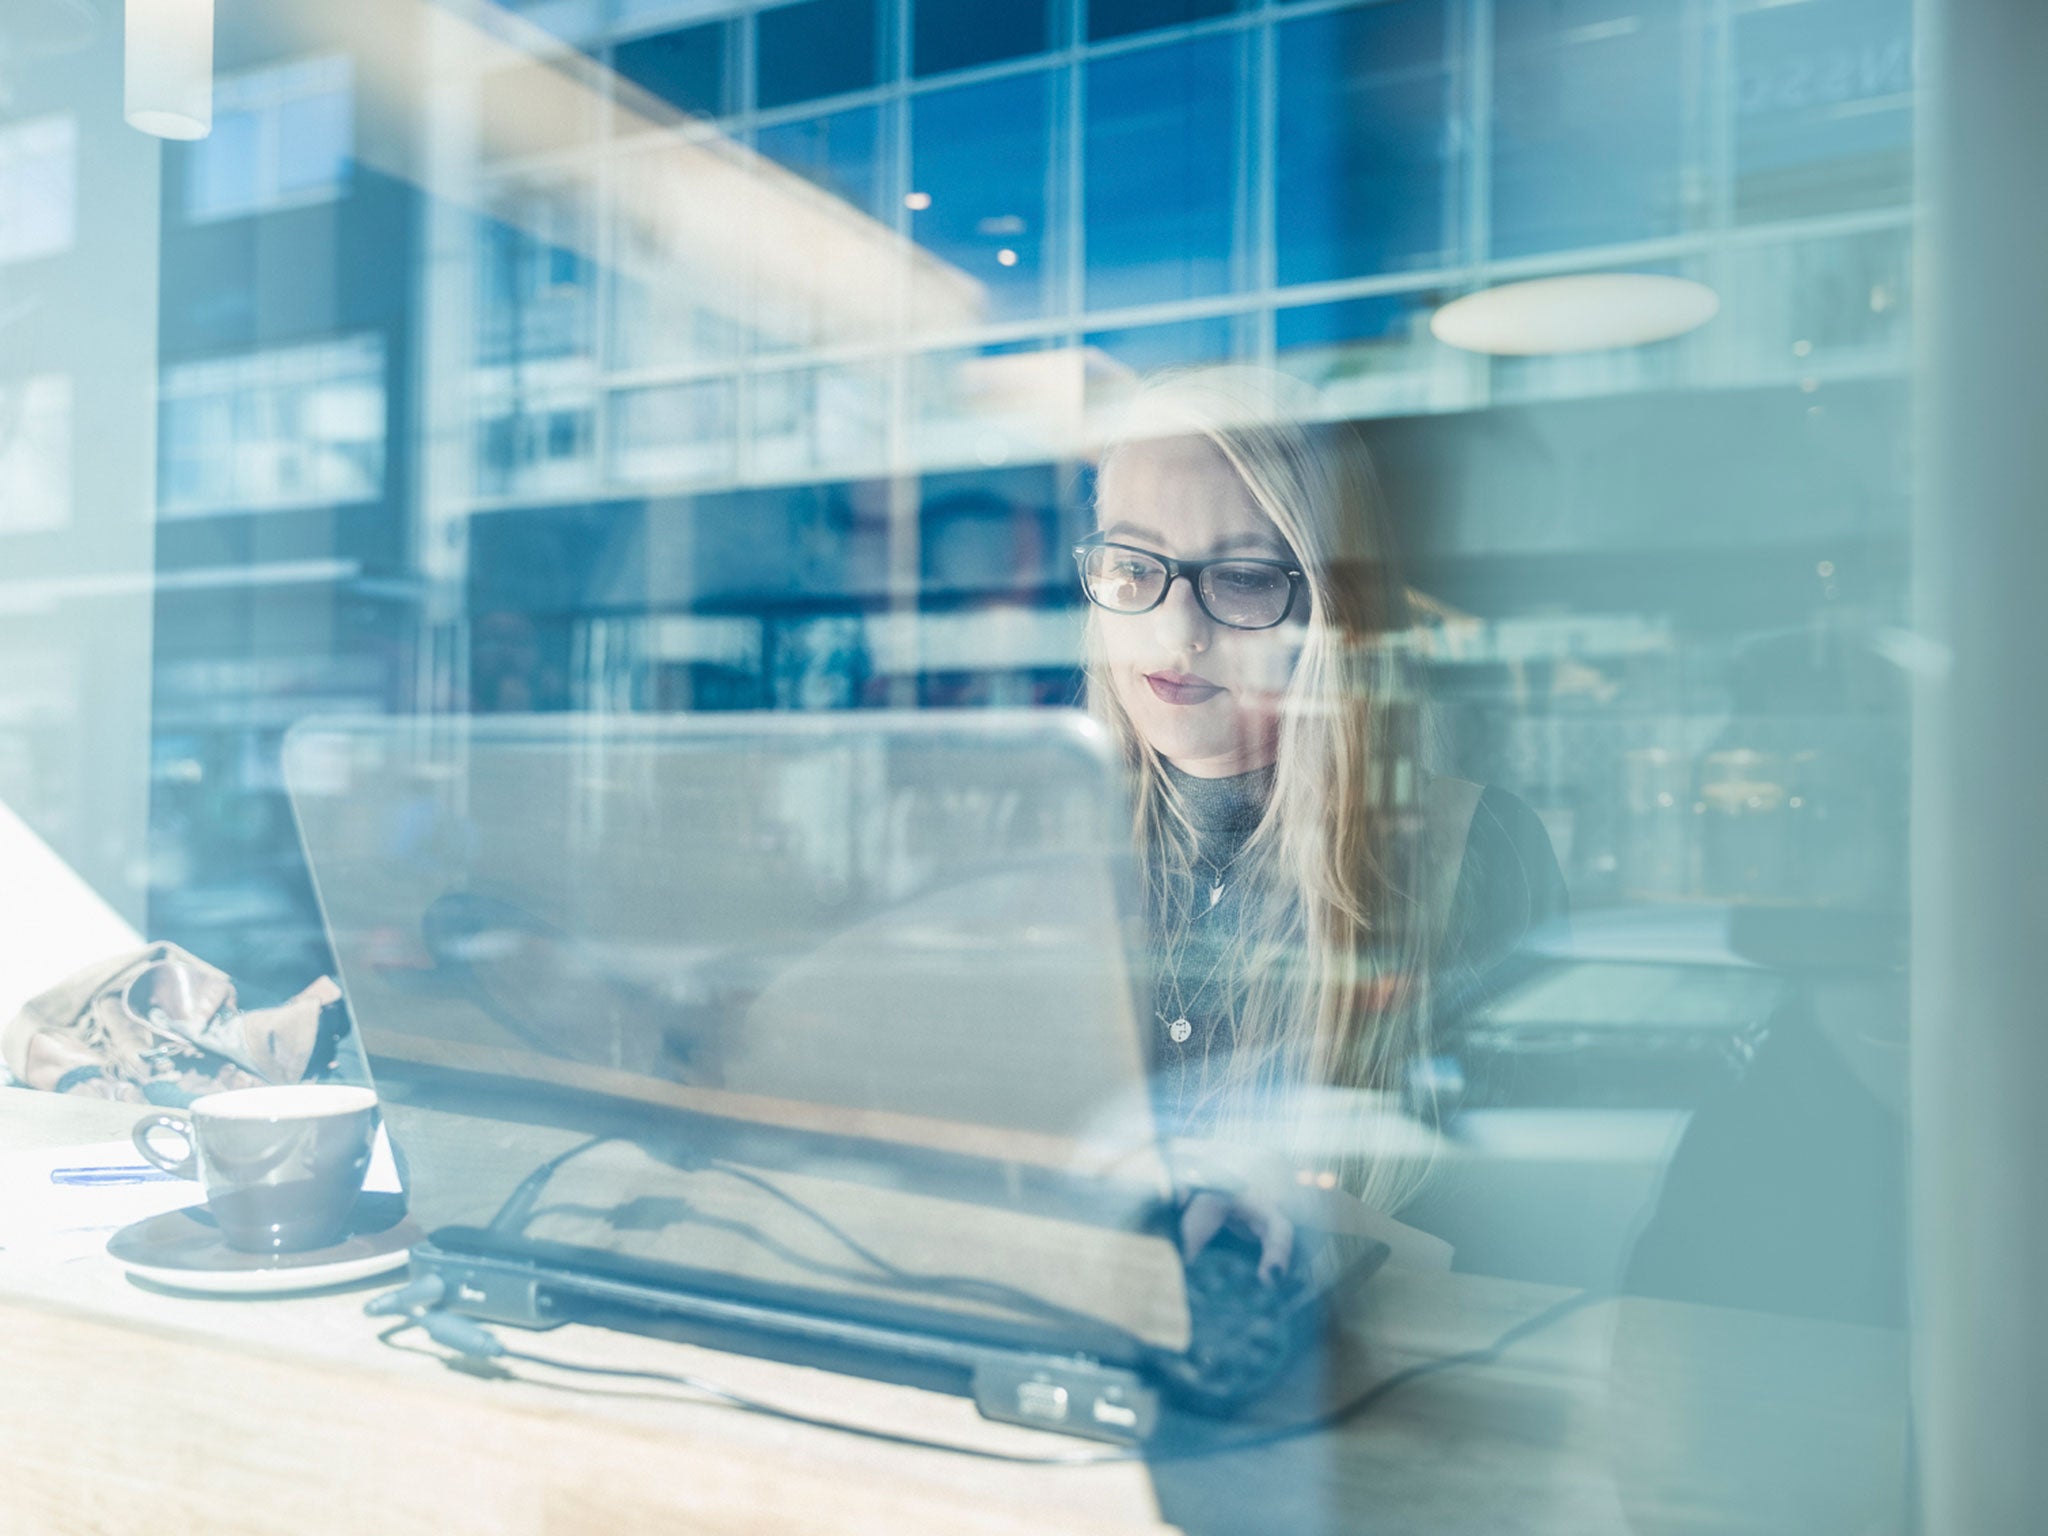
x: 1182, y: 687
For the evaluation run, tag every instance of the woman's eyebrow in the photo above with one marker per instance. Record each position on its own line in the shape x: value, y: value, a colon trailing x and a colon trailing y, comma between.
x: 1121, y: 529
x: 1263, y: 543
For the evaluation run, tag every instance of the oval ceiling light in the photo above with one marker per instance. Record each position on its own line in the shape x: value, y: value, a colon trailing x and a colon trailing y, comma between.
x: 1589, y: 313
x: 169, y: 68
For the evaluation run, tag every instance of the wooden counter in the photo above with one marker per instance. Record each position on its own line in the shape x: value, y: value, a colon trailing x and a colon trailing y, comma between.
x: 124, y: 1409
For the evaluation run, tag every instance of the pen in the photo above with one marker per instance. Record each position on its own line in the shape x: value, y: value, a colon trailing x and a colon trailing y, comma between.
x: 139, y: 1173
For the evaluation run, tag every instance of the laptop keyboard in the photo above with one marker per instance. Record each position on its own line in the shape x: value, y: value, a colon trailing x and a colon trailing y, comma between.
x: 1243, y: 1330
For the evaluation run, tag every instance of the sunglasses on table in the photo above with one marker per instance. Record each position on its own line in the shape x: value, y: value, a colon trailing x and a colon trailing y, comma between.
x: 1239, y: 591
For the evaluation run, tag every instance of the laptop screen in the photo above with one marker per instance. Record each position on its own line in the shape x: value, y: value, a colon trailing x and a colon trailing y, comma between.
x: 832, y: 1012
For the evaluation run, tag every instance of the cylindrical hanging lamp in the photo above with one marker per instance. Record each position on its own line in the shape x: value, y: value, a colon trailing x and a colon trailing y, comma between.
x: 170, y: 68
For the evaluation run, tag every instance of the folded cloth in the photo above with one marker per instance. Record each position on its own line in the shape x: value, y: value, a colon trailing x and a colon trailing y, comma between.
x: 158, y: 1025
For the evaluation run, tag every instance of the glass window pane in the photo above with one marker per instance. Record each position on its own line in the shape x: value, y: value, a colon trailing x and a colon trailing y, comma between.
x: 1162, y: 172
x: 639, y: 15
x: 1373, y: 356
x: 818, y: 663
x: 809, y: 293
x: 957, y: 34
x: 674, y: 434
x: 1012, y: 402
x: 1364, y: 168
x: 1817, y: 311
x: 1146, y: 349
x: 220, y: 170
x: 294, y: 426
x: 35, y: 453
x: 1119, y: 18
x: 817, y: 48
x: 541, y: 446
x: 666, y: 307
x: 819, y: 420
x: 574, y: 20
x: 980, y: 162
x: 841, y: 154
x: 991, y: 534
x: 685, y: 68
x: 313, y: 147
x: 536, y: 280
x: 38, y: 187
x: 198, y: 446
x: 770, y: 368
x: 1823, y: 107
x: 1592, y: 141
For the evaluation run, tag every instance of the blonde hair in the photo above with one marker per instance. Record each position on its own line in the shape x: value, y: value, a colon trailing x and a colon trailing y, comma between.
x: 1329, y: 958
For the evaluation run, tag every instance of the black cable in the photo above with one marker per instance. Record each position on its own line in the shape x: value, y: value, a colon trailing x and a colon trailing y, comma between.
x: 1359, y: 1406
x: 774, y: 1245
x: 818, y: 1218
x: 711, y: 1395
x: 480, y: 1350
x: 518, y: 1210
x: 969, y: 1287
x: 966, y: 1287
x: 518, y: 1206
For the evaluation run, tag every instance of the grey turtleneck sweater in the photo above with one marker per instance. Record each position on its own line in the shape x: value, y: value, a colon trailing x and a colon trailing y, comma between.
x: 1193, y: 1000
x: 1508, y: 884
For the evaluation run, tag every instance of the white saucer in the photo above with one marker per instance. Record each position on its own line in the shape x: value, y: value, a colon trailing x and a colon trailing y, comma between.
x: 183, y: 1250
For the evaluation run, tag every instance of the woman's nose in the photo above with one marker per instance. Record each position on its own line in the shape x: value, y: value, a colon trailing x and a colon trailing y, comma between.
x: 1182, y: 625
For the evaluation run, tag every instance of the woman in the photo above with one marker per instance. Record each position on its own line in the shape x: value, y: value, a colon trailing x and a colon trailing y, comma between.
x: 1308, y: 885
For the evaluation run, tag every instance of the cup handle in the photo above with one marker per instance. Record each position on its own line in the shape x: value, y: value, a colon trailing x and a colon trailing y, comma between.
x: 186, y: 1167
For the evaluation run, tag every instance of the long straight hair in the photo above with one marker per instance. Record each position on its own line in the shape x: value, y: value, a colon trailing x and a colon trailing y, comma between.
x: 1326, y: 971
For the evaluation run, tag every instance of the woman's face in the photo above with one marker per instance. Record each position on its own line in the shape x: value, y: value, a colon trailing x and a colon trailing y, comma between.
x: 1204, y: 695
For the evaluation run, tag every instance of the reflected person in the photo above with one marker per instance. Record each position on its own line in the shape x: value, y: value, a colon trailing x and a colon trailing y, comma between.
x: 1308, y: 886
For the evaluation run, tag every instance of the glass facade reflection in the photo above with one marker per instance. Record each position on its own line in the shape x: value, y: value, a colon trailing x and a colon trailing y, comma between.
x: 635, y: 356
x: 466, y: 418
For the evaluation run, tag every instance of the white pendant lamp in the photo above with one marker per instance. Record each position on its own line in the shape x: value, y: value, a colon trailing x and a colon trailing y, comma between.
x: 1592, y: 312
x: 169, y: 68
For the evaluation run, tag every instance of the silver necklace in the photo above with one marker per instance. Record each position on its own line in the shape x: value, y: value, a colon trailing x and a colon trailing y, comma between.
x: 1179, y: 1028
x: 1216, y: 876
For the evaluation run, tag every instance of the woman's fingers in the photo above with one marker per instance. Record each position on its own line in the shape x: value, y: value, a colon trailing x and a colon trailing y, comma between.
x: 1207, y: 1213
x: 1201, y: 1219
x: 1276, y: 1242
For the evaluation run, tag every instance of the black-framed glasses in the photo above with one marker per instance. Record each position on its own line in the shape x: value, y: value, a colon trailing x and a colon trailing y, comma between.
x: 1239, y: 591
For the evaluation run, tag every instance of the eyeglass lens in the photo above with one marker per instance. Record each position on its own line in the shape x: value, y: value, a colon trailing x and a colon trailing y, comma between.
x: 1242, y: 593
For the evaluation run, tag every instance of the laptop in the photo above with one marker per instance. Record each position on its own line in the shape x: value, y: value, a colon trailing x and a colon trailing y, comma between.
x: 813, y: 1035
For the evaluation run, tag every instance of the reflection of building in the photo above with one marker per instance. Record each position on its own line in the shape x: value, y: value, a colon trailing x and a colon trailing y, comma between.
x: 38, y: 222
x: 1123, y: 185
x: 283, y: 514
x: 683, y: 354
x: 1299, y: 184
x: 78, y: 301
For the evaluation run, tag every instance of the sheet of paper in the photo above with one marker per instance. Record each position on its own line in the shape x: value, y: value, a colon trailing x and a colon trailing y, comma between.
x: 51, y: 921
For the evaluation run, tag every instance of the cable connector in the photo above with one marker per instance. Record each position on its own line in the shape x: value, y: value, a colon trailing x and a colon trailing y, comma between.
x: 464, y: 1335
x: 409, y: 1300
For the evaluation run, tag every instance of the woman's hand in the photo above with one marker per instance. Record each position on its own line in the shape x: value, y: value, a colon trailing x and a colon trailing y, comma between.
x: 1209, y: 1211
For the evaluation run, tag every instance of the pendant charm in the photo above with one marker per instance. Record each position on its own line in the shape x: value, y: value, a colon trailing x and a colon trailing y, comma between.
x: 1179, y: 1030
x: 1215, y: 895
